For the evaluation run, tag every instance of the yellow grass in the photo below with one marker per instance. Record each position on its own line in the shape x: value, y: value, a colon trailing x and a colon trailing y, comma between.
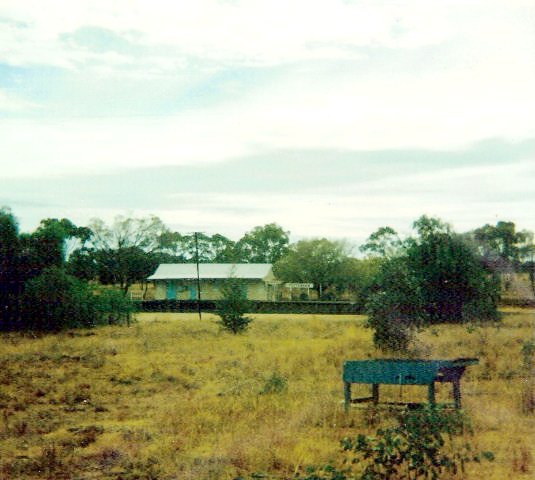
x: 174, y: 397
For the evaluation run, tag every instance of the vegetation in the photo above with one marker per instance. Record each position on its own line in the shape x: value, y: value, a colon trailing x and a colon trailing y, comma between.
x: 266, y: 244
x: 435, y: 277
x: 37, y: 292
x: 316, y: 261
x: 233, y: 306
x: 172, y: 398
x: 422, y: 444
x: 54, y: 300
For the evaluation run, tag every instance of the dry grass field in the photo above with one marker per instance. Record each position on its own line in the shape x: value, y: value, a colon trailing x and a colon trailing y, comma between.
x: 174, y: 397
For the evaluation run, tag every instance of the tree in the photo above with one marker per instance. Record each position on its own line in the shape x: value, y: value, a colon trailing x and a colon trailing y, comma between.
x: 10, y: 281
x: 454, y: 285
x: 49, y: 245
x: 145, y: 233
x: 35, y: 290
x: 356, y: 276
x: 501, y: 245
x: 183, y: 248
x: 527, y: 254
x: 384, y: 242
x: 124, y: 266
x: 316, y: 261
x: 233, y: 306
x: 397, y: 308
x: 438, y: 278
x: 73, y: 237
x: 266, y: 244
x: 83, y: 264
x: 124, y: 252
x: 54, y: 300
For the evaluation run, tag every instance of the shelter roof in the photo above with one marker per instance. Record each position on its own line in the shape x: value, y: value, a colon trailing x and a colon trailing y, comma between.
x: 175, y: 271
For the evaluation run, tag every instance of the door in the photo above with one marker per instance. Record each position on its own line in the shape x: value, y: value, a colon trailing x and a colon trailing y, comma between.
x: 192, y: 292
x: 171, y: 291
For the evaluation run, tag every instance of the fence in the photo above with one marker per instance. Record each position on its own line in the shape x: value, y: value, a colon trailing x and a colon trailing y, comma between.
x: 256, y: 306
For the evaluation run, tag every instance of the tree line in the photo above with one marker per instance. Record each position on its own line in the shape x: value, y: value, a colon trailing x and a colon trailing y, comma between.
x: 128, y: 250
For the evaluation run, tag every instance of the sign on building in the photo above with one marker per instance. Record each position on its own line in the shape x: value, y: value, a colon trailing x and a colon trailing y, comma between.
x: 299, y: 285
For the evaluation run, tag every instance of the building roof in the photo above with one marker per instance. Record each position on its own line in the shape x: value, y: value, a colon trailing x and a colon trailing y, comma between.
x: 175, y: 271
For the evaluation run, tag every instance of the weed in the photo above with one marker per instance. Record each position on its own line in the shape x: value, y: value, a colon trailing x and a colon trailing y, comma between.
x: 86, y: 435
x: 20, y: 428
x: 528, y: 351
x: 528, y: 397
x: 49, y: 461
x: 522, y: 460
x: 275, y: 383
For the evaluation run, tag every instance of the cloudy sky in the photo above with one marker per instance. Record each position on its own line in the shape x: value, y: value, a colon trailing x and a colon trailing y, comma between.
x: 331, y: 118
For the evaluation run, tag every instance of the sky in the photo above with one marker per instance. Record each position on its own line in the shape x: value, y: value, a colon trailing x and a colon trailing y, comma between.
x: 330, y: 118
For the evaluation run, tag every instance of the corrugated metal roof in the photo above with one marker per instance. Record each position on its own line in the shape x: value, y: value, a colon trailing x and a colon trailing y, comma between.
x: 171, y: 271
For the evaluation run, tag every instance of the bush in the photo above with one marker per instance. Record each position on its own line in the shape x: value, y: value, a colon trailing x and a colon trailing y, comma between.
x: 421, y: 445
x: 114, y: 307
x: 397, y: 309
x: 415, y: 448
x: 54, y: 301
x: 275, y: 383
x: 435, y: 278
x: 232, y: 306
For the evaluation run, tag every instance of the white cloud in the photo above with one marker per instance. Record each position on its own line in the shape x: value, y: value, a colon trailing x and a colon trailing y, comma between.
x: 14, y: 103
x: 467, y: 196
x: 253, y: 32
x: 434, y: 111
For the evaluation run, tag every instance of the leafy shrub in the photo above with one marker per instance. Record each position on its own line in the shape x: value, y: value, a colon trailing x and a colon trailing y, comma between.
x: 54, y: 300
x: 420, y: 446
x: 232, y: 306
x: 394, y: 311
x: 275, y: 383
x: 435, y: 278
x: 114, y: 307
x: 528, y: 351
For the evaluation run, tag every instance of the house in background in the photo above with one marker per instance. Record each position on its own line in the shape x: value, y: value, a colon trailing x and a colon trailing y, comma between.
x: 178, y: 281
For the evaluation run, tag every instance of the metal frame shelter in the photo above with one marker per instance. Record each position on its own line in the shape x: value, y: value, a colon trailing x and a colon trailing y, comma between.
x: 404, y: 372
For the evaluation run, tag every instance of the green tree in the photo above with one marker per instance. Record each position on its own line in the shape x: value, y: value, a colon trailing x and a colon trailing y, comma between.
x: 527, y: 254
x: 501, y: 245
x: 397, y: 308
x: 54, y: 300
x: 73, y: 237
x: 316, y: 261
x: 383, y: 243
x: 48, y: 245
x: 83, y: 264
x: 124, y: 266
x: 453, y: 283
x: 356, y: 276
x: 113, y: 307
x: 266, y: 244
x: 10, y: 281
x: 182, y: 248
x: 437, y: 278
x: 233, y: 306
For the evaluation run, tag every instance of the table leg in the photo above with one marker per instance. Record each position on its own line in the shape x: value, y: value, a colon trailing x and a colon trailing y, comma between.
x: 431, y: 394
x: 347, y: 395
x: 457, y: 393
x: 375, y: 393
